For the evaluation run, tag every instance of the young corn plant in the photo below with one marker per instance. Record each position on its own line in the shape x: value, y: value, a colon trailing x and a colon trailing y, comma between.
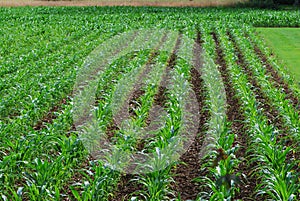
x: 277, y: 98
x: 262, y: 134
x: 222, y: 180
x: 220, y: 160
x: 100, y: 184
x: 157, y: 182
x: 271, y: 59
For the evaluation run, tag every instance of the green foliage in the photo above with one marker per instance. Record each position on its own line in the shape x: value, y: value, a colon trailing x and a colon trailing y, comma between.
x: 41, y: 155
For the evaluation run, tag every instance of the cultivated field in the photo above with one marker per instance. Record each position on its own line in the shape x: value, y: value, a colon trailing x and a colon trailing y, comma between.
x: 145, y: 103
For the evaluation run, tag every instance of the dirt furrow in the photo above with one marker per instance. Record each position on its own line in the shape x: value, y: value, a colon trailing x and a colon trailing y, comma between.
x: 235, y: 116
x: 127, y: 186
x: 269, y: 110
x: 277, y: 80
x: 187, y: 171
x: 51, y: 116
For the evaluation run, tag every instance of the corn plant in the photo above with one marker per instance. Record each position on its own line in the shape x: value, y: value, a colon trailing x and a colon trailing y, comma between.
x: 263, y: 135
x: 42, y: 155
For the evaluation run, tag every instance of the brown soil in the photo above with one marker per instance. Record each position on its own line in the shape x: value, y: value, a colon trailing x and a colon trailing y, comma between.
x: 134, y: 99
x: 50, y: 116
x: 111, y: 131
x: 77, y: 177
x: 277, y: 80
x: 160, y: 98
x: 269, y: 111
x: 192, y: 3
x: 189, y: 169
x: 135, y: 102
x: 234, y: 115
x: 126, y: 186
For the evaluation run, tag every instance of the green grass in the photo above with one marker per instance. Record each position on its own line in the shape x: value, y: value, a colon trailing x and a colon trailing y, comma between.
x: 285, y: 42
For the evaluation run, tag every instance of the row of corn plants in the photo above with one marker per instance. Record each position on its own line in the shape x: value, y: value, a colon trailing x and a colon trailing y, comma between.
x: 38, y: 70
x: 278, y: 181
x: 105, y: 173
x: 220, y: 161
x: 160, y: 149
x: 288, y: 113
x: 46, y: 151
x: 273, y: 61
x: 46, y: 66
x: 47, y: 146
x: 21, y: 103
x: 100, y: 178
x: 40, y: 155
x: 157, y: 182
x: 126, y: 136
x: 45, y: 160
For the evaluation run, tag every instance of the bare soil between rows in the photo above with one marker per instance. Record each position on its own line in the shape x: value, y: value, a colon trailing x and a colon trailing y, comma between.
x: 234, y: 115
x: 189, y: 168
x: 127, y: 187
x: 185, y: 173
x: 269, y: 110
x: 278, y: 80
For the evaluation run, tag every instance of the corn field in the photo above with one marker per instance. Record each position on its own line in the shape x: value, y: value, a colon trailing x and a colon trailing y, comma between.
x: 146, y: 103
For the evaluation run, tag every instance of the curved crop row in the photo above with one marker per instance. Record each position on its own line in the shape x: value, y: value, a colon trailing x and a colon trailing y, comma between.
x: 220, y: 158
x: 278, y: 181
x: 42, y: 154
x: 288, y: 113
